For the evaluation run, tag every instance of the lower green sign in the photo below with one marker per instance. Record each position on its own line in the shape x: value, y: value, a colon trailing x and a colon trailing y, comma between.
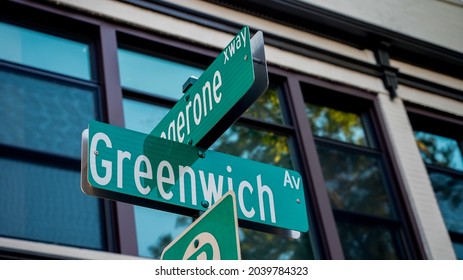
x: 125, y: 165
x: 214, y: 236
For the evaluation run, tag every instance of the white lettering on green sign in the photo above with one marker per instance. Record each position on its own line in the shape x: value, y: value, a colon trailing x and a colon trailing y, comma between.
x: 196, y: 109
x: 234, y: 45
x: 218, y: 97
x: 200, y: 104
x: 213, y: 186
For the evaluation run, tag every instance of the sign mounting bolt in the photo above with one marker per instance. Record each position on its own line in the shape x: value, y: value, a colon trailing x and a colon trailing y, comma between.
x: 201, y: 154
x: 298, y: 201
x: 96, y: 152
x: 245, y: 57
x: 205, y: 204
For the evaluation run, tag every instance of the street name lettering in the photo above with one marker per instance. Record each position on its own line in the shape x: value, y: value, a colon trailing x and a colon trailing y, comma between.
x: 196, y: 109
x: 235, y: 44
x: 205, y: 98
x: 220, y: 95
x: 145, y: 177
x: 153, y: 168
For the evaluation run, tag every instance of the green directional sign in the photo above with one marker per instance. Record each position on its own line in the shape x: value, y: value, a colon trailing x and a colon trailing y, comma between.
x: 213, y: 236
x: 133, y: 167
x: 234, y: 80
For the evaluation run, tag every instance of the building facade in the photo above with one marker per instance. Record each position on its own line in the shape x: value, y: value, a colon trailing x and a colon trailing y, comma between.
x: 365, y: 101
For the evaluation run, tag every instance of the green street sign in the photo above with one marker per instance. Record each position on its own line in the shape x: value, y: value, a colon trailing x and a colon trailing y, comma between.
x: 230, y: 85
x: 133, y: 167
x: 213, y: 236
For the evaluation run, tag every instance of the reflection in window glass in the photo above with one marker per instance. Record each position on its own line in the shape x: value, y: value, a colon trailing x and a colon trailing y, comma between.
x: 444, y: 161
x: 254, y: 144
x: 42, y: 114
x: 45, y: 203
x: 156, y: 229
x: 154, y: 75
x: 449, y: 194
x: 337, y: 125
x: 355, y: 182
x: 48, y: 52
x: 439, y: 150
x: 43, y: 118
x: 270, y: 148
x: 267, y: 107
x: 364, y: 242
x: 141, y: 116
x: 257, y: 245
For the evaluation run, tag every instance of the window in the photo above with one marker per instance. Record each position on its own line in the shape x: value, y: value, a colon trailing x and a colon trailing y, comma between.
x: 261, y: 135
x: 441, y: 146
x: 48, y: 96
x: 152, y: 75
x: 44, y: 51
x: 355, y: 175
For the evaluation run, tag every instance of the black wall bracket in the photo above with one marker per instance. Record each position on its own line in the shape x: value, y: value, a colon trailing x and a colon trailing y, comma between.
x: 389, y: 73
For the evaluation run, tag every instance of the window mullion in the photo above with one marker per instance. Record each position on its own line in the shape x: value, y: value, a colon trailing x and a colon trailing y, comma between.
x: 445, y: 170
x: 366, y: 217
x: 346, y: 146
x: 259, y: 124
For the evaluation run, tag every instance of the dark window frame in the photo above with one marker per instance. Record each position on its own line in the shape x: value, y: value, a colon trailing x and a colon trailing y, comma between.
x: 39, y: 18
x: 97, y: 34
x: 397, y: 190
